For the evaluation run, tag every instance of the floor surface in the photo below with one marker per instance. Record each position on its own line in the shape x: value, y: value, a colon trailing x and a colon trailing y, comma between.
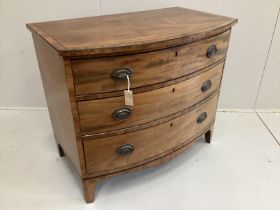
x: 240, y: 169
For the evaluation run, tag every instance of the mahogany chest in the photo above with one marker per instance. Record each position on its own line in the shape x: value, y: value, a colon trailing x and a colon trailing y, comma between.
x: 171, y: 59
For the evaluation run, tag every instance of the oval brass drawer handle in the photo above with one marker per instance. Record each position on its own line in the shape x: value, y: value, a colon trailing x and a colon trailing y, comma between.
x: 206, y: 85
x: 211, y: 51
x: 121, y: 74
x: 125, y: 149
x: 122, y: 113
x: 202, y: 117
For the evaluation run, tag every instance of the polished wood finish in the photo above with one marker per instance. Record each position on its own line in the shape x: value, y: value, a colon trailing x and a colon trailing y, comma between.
x: 101, y: 154
x: 75, y: 114
x: 52, y: 69
x: 90, y: 184
x: 148, y: 87
x: 173, y: 54
x: 173, y: 98
x: 94, y: 75
x: 130, y: 32
x: 143, y: 126
x: 164, y: 157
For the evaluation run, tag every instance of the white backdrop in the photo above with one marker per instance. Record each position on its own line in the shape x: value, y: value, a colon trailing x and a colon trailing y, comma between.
x: 249, y: 80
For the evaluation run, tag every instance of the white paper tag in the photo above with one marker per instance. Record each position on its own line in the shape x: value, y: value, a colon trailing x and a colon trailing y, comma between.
x: 128, y: 97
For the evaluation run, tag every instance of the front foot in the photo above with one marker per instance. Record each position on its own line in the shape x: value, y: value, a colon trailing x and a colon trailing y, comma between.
x: 89, y: 189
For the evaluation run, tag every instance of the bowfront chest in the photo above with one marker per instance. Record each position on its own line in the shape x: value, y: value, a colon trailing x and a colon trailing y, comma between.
x: 130, y: 91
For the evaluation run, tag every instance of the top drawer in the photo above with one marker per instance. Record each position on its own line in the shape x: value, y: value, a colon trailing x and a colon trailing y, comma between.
x: 105, y: 74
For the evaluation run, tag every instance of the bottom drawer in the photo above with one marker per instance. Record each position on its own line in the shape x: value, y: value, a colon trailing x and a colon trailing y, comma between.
x: 123, y: 151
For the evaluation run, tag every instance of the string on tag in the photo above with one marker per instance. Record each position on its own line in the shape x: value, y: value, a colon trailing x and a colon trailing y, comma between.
x: 128, y: 82
x: 128, y: 94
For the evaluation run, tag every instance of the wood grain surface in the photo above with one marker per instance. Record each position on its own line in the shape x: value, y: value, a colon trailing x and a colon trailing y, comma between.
x: 145, y: 125
x: 94, y: 75
x: 101, y: 154
x: 166, y: 50
x: 148, y: 87
x: 162, y: 158
x: 96, y: 115
x: 89, y: 183
x: 130, y: 32
x: 55, y: 83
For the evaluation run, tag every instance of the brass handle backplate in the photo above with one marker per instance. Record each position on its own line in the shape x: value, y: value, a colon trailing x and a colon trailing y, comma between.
x: 125, y: 149
x: 121, y: 74
x: 206, y: 85
x: 202, y: 117
x: 122, y: 113
x: 211, y: 51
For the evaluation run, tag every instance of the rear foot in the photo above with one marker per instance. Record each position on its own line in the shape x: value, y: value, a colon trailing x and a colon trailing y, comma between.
x: 208, y: 135
x: 60, y: 150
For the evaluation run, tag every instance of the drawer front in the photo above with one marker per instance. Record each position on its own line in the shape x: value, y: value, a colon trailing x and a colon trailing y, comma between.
x: 122, y: 151
x: 104, y: 74
x: 100, y: 115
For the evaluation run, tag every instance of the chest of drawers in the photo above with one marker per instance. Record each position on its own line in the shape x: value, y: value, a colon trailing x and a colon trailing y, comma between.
x: 174, y: 60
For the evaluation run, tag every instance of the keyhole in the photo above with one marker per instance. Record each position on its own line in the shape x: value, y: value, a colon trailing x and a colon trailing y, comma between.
x: 176, y: 53
x: 173, y: 90
x: 171, y: 124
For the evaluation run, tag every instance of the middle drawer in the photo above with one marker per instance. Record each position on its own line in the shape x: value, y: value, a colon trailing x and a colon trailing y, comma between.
x: 109, y: 114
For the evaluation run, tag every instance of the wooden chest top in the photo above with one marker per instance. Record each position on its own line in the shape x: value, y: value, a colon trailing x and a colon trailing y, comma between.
x: 130, y: 32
